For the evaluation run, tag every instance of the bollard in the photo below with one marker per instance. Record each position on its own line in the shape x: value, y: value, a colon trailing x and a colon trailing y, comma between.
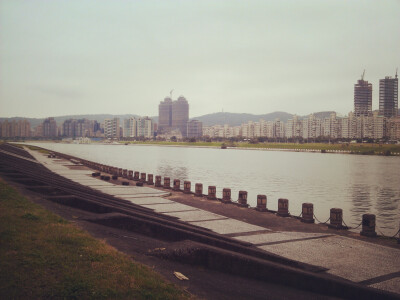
x: 167, y: 182
x: 283, y: 207
x: 125, y: 182
x: 143, y: 177
x: 177, y: 185
x: 261, y: 203
x: 198, y: 190
x: 307, y: 213
x: 368, y: 225
x: 125, y: 173
x: 119, y: 172
x: 150, y: 179
x: 226, y: 196
x: 136, y: 176
x: 114, y: 177
x: 186, y: 187
x: 242, y: 200
x: 158, y: 181
x: 398, y: 239
x: 130, y: 175
x: 212, y: 190
x: 336, y: 217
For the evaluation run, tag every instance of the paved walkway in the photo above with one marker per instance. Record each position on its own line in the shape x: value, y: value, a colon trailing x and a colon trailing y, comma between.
x: 371, y: 264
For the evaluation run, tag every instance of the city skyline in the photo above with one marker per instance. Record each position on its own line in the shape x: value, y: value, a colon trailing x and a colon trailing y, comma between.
x: 64, y: 58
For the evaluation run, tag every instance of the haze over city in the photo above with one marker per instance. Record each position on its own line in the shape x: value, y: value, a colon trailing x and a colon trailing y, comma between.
x: 81, y: 57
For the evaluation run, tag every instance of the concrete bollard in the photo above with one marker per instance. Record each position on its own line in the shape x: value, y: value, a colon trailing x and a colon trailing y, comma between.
x: 242, y: 200
x: 226, y: 196
x: 198, y: 192
x: 368, y: 225
x: 336, y: 217
x: 158, y: 181
x: 167, y: 183
x: 177, y: 185
x: 398, y: 239
x: 136, y: 176
x: 307, y: 213
x: 125, y: 173
x: 150, y: 179
x: 125, y: 182
x: 212, y: 191
x: 261, y: 203
x: 143, y: 177
x: 186, y: 187
x: 130, y: 175
x: 283, y: 207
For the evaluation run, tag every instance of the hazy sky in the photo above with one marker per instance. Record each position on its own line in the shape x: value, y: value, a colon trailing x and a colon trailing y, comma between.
x: 88, y: 57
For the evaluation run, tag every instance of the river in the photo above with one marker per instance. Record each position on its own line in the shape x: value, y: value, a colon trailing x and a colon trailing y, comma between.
x: 357, y: 184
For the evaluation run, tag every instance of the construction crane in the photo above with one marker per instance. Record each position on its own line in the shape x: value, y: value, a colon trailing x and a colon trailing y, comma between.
x: 170, y: 93
x: 362, y: 76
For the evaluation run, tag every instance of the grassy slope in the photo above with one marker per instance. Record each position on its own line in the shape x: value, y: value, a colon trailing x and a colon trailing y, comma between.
x: 44, y: 256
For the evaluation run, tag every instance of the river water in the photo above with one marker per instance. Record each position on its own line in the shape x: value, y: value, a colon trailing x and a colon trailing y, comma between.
x: 357, y: 184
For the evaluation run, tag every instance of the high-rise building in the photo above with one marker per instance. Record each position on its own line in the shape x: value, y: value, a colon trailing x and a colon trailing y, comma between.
x: 388, y: 96
x: 50, y: 128
x: 194, y: 129
x: 180, y: 115
x: 165, y: 115
x: 111, y: 128
x: 173, y: 115
x: 362, y: 98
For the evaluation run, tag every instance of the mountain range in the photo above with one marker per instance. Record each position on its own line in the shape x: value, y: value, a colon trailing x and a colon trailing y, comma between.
x: 221, y: 118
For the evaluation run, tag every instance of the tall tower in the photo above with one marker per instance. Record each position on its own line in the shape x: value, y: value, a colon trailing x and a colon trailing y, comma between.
x: 180, y: 115
x: 388, y: 96
x: 362, y: 97
x: 165, y: 114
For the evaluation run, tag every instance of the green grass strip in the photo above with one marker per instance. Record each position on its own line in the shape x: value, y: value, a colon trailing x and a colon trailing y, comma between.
x: 44, y: 256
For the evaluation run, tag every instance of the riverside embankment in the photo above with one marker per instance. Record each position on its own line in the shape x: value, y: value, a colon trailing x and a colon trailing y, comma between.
x: 357, y: 184
x: 335, y: 254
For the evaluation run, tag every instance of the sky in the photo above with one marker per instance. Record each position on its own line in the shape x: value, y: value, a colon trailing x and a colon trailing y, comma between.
x: 124, y: 57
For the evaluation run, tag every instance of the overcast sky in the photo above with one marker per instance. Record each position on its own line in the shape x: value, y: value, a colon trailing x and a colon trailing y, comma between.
x: 89, y: 57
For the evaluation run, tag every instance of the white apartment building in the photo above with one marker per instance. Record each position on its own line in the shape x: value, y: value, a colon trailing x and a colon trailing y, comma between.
x: 111, y: 128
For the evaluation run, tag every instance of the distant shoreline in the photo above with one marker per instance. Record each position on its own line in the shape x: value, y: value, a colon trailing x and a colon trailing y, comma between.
x: 348, y: 148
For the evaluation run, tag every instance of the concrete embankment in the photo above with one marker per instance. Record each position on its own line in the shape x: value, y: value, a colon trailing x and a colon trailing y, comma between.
x: 217, y: 235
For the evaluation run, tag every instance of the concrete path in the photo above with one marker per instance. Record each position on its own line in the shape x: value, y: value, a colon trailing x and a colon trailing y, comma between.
x: 370, y: 264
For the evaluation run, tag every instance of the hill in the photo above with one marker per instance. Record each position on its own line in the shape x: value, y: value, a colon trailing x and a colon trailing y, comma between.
x: 220, y: 118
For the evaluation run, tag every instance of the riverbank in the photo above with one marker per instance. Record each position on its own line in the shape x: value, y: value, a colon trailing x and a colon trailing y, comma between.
x: 348, y: 148
x: 48, y: 257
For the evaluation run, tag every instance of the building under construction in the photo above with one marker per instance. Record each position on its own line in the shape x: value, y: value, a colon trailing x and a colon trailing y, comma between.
x: 362, y: 98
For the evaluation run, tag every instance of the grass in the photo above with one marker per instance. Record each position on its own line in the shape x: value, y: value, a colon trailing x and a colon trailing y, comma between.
x: 44, y: 256
x: 354, y: 148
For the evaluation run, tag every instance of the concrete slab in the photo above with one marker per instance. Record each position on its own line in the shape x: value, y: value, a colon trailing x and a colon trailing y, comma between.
x: 120, y: 190
x: 228, y: 226
x: 277, y: 237
x: 147, y: 200
x: 392, y: 285
x: 161, y: 208
x: 348, y: 258
x: 199, y: 215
